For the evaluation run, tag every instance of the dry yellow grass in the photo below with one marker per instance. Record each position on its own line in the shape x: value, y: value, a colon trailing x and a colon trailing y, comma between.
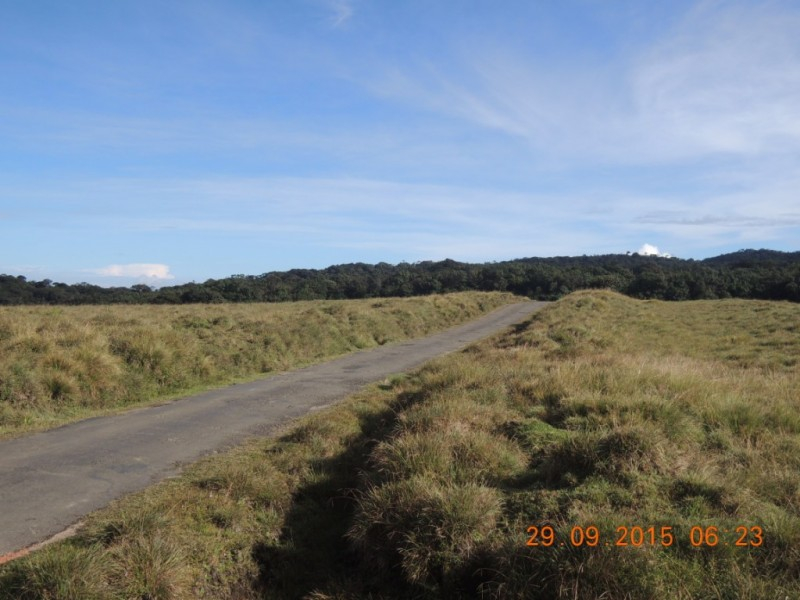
x: 62, y: 363
x: 601, y: 411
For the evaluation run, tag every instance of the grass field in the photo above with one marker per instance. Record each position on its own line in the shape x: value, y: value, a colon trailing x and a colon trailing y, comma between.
x: 64, y: 363
x: 682, y: 419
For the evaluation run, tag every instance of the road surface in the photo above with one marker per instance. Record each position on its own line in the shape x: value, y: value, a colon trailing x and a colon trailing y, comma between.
x: 50, y: 480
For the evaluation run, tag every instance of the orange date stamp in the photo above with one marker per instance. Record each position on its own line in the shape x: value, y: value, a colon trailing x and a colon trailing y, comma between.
x: 635, y: 536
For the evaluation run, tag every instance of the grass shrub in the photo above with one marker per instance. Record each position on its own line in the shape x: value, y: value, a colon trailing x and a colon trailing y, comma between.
x: 601, y: 410
x: 64, y: 363
x: 456, y: 455
x: 427, y: 528
x: 62, y: 573
x: 150, y: 566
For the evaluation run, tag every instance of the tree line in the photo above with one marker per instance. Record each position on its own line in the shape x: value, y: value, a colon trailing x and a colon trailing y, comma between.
x: 762, y: 274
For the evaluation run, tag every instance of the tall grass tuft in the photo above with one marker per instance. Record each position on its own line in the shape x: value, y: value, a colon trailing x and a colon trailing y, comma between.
x: 150, y: 565
x: 427, y: 529
x: 65, y: 573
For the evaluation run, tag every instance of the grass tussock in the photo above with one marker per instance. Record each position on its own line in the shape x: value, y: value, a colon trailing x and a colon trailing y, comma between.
x: 64, y: 363
x: 424, y: 486
x: 425, y: 529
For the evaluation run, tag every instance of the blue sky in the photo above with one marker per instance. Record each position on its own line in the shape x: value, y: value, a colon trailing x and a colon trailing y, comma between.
x: 164, y: 142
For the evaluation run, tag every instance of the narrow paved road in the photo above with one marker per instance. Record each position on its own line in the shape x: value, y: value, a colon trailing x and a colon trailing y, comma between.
x: 50, y: 480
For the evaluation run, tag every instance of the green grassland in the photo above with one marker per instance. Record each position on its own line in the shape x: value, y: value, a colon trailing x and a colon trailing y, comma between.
x: 600, y: 411
x: 64, y: 363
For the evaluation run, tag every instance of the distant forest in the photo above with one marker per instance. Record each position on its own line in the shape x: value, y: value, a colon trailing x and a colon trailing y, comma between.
x: 763, y: 274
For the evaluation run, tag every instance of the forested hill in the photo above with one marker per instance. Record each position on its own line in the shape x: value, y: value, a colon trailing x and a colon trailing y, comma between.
x: 764, y: 274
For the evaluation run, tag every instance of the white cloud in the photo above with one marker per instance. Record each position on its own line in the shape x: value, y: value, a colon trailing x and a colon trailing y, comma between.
x: 650, y: 250
x: 136, y: 270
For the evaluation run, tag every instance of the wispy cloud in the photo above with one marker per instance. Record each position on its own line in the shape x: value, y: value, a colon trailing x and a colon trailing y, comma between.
x: 725, y: 80
x: 341, y: 11
x: 25, y: 270
x: 733, y: 221
x: 418, y: 218
x: 404, y: 133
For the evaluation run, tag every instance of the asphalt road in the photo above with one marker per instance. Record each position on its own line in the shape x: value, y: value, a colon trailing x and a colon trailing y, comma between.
x: 50, y: 480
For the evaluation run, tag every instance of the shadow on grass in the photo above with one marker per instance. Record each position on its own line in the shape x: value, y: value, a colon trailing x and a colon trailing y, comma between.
x: 312, y: 553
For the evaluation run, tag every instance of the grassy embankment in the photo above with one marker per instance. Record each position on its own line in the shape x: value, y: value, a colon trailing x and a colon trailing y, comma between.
x: 601, y: 411
x: 64, y: 363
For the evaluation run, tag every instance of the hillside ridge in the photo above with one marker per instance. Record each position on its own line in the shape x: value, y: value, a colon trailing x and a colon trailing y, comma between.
x: 761, y: 274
